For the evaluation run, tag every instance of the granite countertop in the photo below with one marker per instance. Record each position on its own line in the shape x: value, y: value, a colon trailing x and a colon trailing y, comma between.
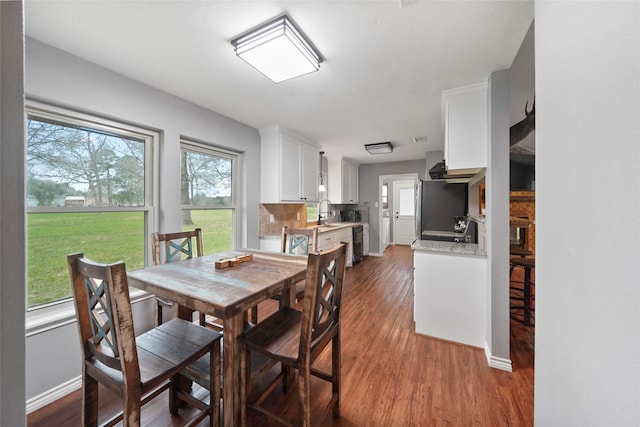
x: 335, y: 226
x: 451, y: 248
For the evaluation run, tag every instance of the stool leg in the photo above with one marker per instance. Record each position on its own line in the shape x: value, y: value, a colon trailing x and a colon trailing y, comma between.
x: 527, y: 295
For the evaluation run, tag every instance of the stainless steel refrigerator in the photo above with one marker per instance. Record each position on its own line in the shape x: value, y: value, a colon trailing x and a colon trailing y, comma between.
x: 439, y: 203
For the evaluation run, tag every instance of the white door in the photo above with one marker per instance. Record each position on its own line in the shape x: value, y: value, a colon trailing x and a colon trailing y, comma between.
x: 404, y: 212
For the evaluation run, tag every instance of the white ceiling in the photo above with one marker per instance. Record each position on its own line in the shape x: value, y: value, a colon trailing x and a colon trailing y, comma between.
x: 386, y: 62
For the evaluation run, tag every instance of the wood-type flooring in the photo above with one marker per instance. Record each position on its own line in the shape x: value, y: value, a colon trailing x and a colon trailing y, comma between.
x: 390, y: 375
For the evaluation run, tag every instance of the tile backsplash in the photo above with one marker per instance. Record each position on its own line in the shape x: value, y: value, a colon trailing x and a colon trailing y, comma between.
x: 274, y: 216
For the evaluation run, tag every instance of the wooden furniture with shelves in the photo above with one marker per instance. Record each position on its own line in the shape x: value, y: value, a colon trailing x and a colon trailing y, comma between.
x: 522, y: 213
x: 289, y: 167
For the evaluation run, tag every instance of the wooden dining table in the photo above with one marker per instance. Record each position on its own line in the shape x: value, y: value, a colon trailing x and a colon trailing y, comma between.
x: 227, y: 294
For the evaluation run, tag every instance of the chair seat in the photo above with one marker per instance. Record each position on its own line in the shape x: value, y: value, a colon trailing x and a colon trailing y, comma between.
x: 278, y: 335
x: 175, y: 342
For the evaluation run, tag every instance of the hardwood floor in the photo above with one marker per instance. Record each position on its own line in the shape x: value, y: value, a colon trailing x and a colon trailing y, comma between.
x: 390, y: 375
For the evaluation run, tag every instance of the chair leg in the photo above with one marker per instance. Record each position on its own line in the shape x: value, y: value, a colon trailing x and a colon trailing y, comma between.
x: 214, y: 384
x: 174, y: 401
x: 158, y: 313
x: 131, y: 402
x: 335, y: 373
x: 89, y: 401
x: 203, y: 318
x: 304, y: 396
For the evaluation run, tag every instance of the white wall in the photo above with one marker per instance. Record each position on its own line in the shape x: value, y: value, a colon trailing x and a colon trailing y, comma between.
x: 587, y: 354
x: 57, y: 77
x: 12, y: 244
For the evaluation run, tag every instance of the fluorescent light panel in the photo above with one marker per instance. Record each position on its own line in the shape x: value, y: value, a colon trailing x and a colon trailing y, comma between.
x: 278, y: 50
x: 379, y: 148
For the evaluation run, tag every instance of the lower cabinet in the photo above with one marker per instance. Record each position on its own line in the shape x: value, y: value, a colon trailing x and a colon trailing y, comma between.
x: 365, y: 239
x: 450, y: 297
x: 328, y: 239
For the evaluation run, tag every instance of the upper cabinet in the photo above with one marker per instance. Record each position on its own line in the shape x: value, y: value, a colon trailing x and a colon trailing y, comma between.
x: 343, y: 181
x: 465, y: 122
x: 289, y: 167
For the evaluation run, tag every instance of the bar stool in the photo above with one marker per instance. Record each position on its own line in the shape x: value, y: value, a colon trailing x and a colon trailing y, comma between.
x: 522, y: 310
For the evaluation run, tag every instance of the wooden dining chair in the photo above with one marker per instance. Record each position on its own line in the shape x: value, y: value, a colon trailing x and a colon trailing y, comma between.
x: 298, y: 241
x: 139, y: 368
x: 297, y: 338
x: 170, y: 247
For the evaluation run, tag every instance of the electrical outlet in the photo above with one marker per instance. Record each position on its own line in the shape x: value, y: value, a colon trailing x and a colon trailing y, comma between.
x: 271, y: 218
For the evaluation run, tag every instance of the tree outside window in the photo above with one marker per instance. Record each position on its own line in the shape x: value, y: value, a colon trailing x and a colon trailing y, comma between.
x: 208, y: 197
x: 86, y: 192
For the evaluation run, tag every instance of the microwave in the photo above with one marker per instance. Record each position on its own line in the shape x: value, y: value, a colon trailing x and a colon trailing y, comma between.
x: 349, y: 216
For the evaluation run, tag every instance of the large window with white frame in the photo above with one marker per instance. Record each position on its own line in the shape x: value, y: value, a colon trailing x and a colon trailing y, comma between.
x: 90, y: 190
x: 209, y: 192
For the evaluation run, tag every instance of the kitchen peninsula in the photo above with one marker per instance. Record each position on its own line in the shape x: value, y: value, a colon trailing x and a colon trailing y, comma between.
x: 450, y: 291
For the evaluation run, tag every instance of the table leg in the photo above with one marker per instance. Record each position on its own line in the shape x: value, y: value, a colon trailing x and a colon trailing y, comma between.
x: 233, y: 327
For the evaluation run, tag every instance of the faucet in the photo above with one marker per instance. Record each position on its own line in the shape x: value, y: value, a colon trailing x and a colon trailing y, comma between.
x: 320, y: 218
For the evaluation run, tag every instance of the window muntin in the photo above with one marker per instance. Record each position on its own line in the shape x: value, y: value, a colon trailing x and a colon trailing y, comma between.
x: 209, y: 182
x: 89, y: 189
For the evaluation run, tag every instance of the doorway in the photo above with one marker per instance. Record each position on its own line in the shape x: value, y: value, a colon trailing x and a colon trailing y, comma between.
x: 404, y: 212
x: 387, y: 207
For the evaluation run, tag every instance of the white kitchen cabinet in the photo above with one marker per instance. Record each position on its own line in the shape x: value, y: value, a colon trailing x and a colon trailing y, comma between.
x: 365, y: 239
x: 343, y: 181
x: 450, y: 297
x: 288, y: 167
x: 328, y: 239
x: 465, y: 123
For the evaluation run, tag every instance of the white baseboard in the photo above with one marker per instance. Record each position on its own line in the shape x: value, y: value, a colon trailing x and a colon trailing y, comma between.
x: 374, y: 254
x: 497, y: 362
x: 43, y: 399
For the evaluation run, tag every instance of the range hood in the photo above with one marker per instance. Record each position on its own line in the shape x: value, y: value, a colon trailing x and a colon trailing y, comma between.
x: 439, y: 172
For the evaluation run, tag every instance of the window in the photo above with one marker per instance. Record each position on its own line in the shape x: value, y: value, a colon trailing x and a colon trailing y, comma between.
x: 209, y: 178
x: 88, y: 190
x: 385, y: 196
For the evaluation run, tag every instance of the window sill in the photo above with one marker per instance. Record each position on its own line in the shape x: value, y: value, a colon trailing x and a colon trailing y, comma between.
x: 55, y: 315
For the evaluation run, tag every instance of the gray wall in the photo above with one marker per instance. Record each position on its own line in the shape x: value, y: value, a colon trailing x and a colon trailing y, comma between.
x: 12, y: 243
x: 368, y: 176
x: 57, y: 77
x: 497, y: 221
x: 587, y: 358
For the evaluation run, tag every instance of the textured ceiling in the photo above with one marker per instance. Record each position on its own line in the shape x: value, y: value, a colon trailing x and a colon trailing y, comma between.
x: 386, y: 62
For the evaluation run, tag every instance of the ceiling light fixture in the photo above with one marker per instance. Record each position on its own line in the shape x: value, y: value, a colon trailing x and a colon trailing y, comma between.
x: 278, y: 49
x: 379, y: 148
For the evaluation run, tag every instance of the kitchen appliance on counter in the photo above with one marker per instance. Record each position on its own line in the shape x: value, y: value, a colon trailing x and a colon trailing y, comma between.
x: 442, y: 209
x: 349, y: 216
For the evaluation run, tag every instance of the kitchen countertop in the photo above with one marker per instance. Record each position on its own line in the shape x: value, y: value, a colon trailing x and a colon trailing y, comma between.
x: 449, y: 248
x: 336, y: 226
